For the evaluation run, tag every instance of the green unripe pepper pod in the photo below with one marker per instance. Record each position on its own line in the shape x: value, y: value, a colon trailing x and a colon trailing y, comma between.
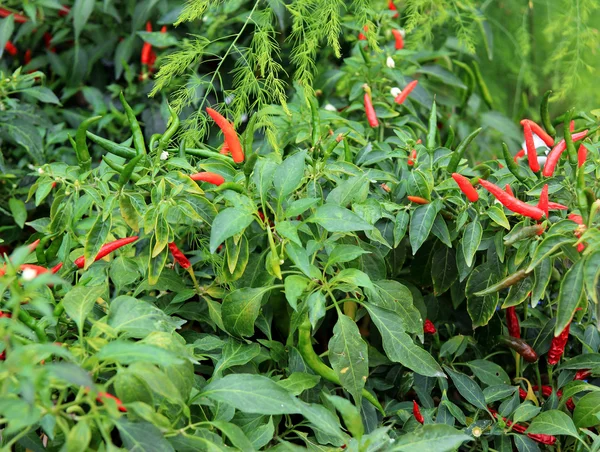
x: 39, y: 250
x: 173, y: 127
x: 364, y: 54
x: 524, y: 233
x: 138, y: 136
x: 32, y: 324
x: 83, y: 154
x: 545, y: 114
x: 470, y: 82
x: 127, y: 173
x: 153, y: 139
x: 249, y: 165
x: 510, y: 280
x: 113, y: 148
x: 571, y: 151
x: 485, y: 92
x: 120, y: 168
x: 450, y: 139
x: 513, y: 166
x: 208, y: 154
x: 460, y: 150
x: 347, y: 152
x: 230, y: 186
x: 432, y: 128
x: 582, y: 199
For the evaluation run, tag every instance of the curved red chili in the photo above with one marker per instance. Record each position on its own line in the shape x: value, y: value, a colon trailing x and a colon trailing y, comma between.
x: 465, y: 186
x: 556, y: 152
x: 535, y: 128
x: 557, y: 346
x: 532, y: 157
x: 207, y: 176
x: 581, y: 155
x: 64, y: 11
x: 512, y: 322
x: 547, y: 392
x: 412, y: 157
x: 19, y: 18
x: 429, y: 327
x: 179, y: 256
x: 417, y: 413
x: 576, y: 218
x: 392, y: 7
x: 231, y: 137
x: 399, y: 39
x: 107, y: 249
x: 400, y: 98
x: 10, y: 48
x: 556, y: 206
x: 508, y: 189
x: 369, y: 110
x: 417, y: 200
x: 27, y: 57
x: 519, y: 155
x: 511, y: 203
x: 582, y: 374
x: 105, y: 395
x: 543, y: 202
x: 539, y: 437
x: 56, y: 268
x: 36, y: 268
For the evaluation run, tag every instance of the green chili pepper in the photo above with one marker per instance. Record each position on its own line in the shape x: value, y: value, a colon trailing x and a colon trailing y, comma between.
x: 513, y: 166
x: 73, y: 144
x: 113, y: 148
x: 182, y: 149
x: 364, y: 54
x: 460, y: 150
x: 485, y: 93
x: 248, y: 137
x: 53, y: 249
x: 208, y: 154
x: 313, y: 361
x: 249, y: 165
x: 231, y: 186
x: 120, y: 168
x: 470, y: 82
x: 153, y: 139
x: 83, y: 154
x: 574, y: 115
x: 523, y: 233
x: 503, y: 284
x: 127, y: 172
x: 519, y: 346
x: 173, y: 127
x: 545, y: 114
x: 333, y: 145
x: 450, y: 139
x: 432, y: 128
x: 316, y: 122
x: 32, y: 324
x: 582, y: 199
x: 39, y: 250
x: 138, y: 136
x: 571, y: 151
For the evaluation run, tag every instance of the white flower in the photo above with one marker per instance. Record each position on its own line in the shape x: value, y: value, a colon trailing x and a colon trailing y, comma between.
x: 330, y: 107
x: 390, y: 62
x: 538, y: 143
x: 164, y: 155
x: 244, y: 117
x: 403, y: 33
x: 476, y: 432
x: 395, y: 91
x: 29, y: 274
x: 40, y: 171
x: 229, y: 99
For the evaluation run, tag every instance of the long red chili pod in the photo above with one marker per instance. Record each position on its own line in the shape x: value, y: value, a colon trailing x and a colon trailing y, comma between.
x: 399, y: 39
x: 576, y: 218
x: 392, y: 7
x: 519, y: 155
x: 512, y: 322
x: 400, y: 98
x: 33, y: 245
x: 19, y: 18
x: 556, y: 152
x: 107, y: 249
x: 539, y: 437
x: 532, y: 157
x: 417, y: 200
x: 582, y: 374
x: 179, y: 256
x: 581, y: 155
x: 231, y: 137
x: 105, y: 395
x: 10, y: 48
x: 369, y: 110
x: 56, y: 268
x: 224, y: 149
x: 508, y: 189
x: 556, y: 206
x: 535, y: 128
x: 429, y: 327
x: 412, y: 157
x: 465, y: 186
x: 557, y: 346
x: 543, y: 202
x: 511, y: 203
x: 572, y: 126
x: 27, y: 56
x: 207, y: 176
x: 417, y: 413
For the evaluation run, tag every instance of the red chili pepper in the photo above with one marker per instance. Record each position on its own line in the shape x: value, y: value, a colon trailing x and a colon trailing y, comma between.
x: 64, y: 11
x: 56, y: 268
x: 582, y: 374
x: 556, y: 152
x: 107, y: 249
x: 38, y: 269
x: 512, y: 322
x: 385, y: 188
x: 556, y: 206
x: 369, y: 110
x: 163, y: 29
x: 519, y: 155
x: 417, y: 413
x: 511, y: 203
x: 362, y: 37
x: 557, y: 346
x: 576, y: 218
x: 541, y: 438
x: 465, y: 186
x: 412, y: 157
x: 231, y: 137
x: 530, y: 145
x: 19, y: 18
x: 392, y: 7
x: 399, y: 39
x: 535, y: 128
x: 546, y: 392
x: 179, y: 256
x: 2, y: 356
x: 400, y: 98
x: 508, y: 190
x: 6, y: 315
x: 33, y: 245
x: 206, y: 176
x: 105, y: 395
x: 10, y: 48
x: 543, y: 202
x: 572, y: 125
x: 581, y: 155
x: 417, y: 200
x: 429, y: 327
x: 224, y: 149
x: 27, y: 56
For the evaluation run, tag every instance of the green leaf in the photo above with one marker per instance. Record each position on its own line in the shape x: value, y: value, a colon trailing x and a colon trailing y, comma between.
x: 42, y: 94
x: 443, y: 269
x: 289, y: 174
x: 481, y: 309
x: 294, y: 287
x: 18, y: 211
x: 142, y: 436
x: 299, y: 382
x: 300, y: 206
x: 349, y: 357
x: 393, y: 296
x: 488, y: 372
x: 440, y: 230
x: 79, y: 437
x: 240, y: 310
x: 591, y: 273
x: 421, y: 222
x: 571, y: 290
x: 227, y: 223
x: 586, y: 409
x: 467, y: 388
x: 251, y: 394
x: 79, y: 302
x: 350, y: 414
x: 82, y: 9
x: 548, y: 246
x: 471, y: 240
x: 316, y: 302
x: 430, y: 438
x: 553, y: 422
x: 497, y: 215
x: 400, y: 225
x: 344, y: 253
x: 399, y: 346
x: 138, y: 318
x: 96, y: 238
x: 338, y: 219
x: 575, y: 387
x: 321, y: 419
x: 235, y: 434
x: 235, y: 354
x: 124, y: 352
x: 7, y: 27
x: 525, y: 411
x: 518, y: 292
x: 586, y: 361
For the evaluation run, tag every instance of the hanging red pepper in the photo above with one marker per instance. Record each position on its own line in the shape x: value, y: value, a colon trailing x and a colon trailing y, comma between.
x: 429, y: 327
x: 56, y: 268
x: 207, y: 176
x: 512, y: 322
x: 33, y: 245
x: 465, y: 186
x: 572, y: 126
x: 412, y: 157
x: 579, y: 220
x: 543, y: 203
x: 106, y: 249
x: 417, y: 413
x: 399, y: 39
x: 19, y: 18
x: 535, y: 128
x: 179, y: 256
x: 369, y: 110
x: 519, y: 155
x: 581, y: 155
x: 400, y: 98
x: 556, y: 206
x: 511, y: 203
x: 417, y: 200
x: 27, y: 56
x: 583, y: 374
x: 10, y: 48
x: 146, y: 48
x: 231, y: 137
x: 64, y: 11
x: 531, y: 151
x: 547, y: 392
x: 576, y: 218
x: 508, y: 189
x: 539, y: 437
x: 557, y: 346
x: 556, y: 152
x: 361, y: 36
x: 392, y: 7
x: 105, y: 395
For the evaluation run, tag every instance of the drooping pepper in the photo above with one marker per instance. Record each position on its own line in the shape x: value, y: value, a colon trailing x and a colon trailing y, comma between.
x: 511, y: 203
x: 369, y: 110
x: 556, y: 152
x: 429, y: 327
x: 106, y: 249
x: 543, y: 202
x: 581, y: 155
x: 105, y: 395
x: 519, y: 155
x: 83, y: 154
x: 399, y: 38
x: 392, y: 7
x: 465, y: 186
x: 179, y: 256
x: 557, y: 346
x: 412, y: 157
x: 512, y: 322
x: 532, y: 157
x: 539, y: 437
x: 519, y: 346
x: 460, y: 150
x: 417, y: 200
x: 19, y: 18
x: 545, y: 114
x: 417, y: 413
x: 10, y: 48
x: 207, y: 176
x: 400, y: 98
x: 231, y: 137
x: 535, y: 128
x: 582, y: 374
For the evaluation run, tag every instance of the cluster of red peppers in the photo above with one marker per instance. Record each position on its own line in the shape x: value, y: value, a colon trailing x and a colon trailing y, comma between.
x: 148, y: 56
